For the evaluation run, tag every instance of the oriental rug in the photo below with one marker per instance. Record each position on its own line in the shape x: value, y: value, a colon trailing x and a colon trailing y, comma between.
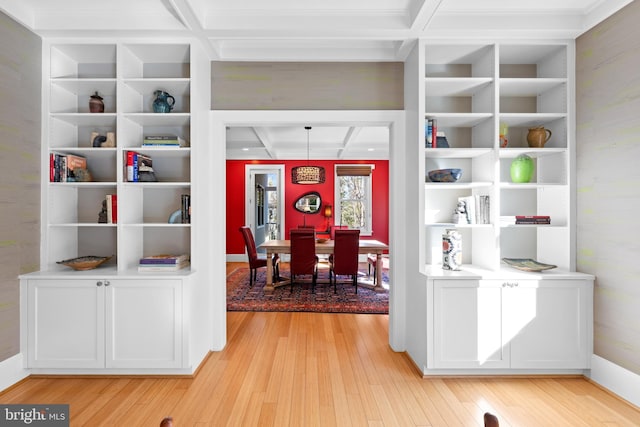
x: 241, y: 297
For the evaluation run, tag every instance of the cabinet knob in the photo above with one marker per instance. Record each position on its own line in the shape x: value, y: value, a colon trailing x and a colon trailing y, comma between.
x: 107, y: 283
x: 510, y: 285
x: 99, y: 283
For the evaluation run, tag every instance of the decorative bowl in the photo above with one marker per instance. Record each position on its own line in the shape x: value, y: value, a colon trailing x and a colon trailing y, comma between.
x: 85, y: 262
x: 322, y: 240
x: 445, y: 175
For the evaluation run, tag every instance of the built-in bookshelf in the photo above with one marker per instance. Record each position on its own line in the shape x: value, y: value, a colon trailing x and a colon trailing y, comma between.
x: 473, y: 91
x: 126, y: 77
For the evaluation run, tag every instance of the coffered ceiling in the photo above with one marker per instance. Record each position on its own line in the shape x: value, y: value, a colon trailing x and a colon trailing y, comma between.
x: 305, y: 30
x: 379, y: 30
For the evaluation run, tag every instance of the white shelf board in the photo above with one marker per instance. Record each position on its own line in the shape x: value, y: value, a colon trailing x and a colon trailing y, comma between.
x: 530, y: 119
x: 452, y: 225
x: 528, y: 185
x: 509, y: 153
x: 458, y: 119
x: 172, y: 184
x: 85, y: 151
x: 92, y: 184
x: 528, y: 86
x: 456, y: 185
x: 455, y: 153
x: 104, y: 87
x: 157, y: 225
x: 174, y: 86
x: 455, y: 86
x: 159, y: 119
x: 83, y: 224
x: 87, y: 119
x: 163, y: 151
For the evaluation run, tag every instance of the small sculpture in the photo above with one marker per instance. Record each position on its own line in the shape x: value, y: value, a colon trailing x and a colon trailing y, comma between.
x: 98, y: 140
x: 102, y: 216
x: 460, y: 214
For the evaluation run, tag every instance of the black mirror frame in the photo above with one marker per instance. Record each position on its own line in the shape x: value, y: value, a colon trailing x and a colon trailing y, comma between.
x: 309, y: 194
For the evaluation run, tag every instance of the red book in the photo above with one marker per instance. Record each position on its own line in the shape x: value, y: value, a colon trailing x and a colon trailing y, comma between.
x: 533, y: 217
x: 114, y: 208
x: 434, y: 133
x: 52, y: 167
x: 130, y: 166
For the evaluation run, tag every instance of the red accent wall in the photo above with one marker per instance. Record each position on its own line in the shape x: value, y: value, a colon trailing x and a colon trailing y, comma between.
x: 236, y: 198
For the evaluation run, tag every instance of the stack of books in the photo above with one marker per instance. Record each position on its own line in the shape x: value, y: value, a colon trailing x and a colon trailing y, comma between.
x: 163, y: 141
x: 526, y: 219
x: 477, y: 208
x: 62, y: 167
x: 159, y: 263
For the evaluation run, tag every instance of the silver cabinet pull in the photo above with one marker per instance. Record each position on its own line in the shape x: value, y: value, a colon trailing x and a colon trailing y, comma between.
x: 510, y: 285
x: 99, y: 283
x: 107, y: 283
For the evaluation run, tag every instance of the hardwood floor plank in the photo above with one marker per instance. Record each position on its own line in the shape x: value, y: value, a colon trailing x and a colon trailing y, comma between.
x: 310, y: 369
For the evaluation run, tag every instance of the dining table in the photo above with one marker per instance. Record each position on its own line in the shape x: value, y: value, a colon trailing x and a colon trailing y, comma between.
x: 325, y: 247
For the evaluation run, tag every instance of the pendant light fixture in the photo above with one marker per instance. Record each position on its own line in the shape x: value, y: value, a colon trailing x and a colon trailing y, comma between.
x: 307, y: 174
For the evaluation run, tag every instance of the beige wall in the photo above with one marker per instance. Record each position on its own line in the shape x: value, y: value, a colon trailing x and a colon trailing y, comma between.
x: 307, y: 86
x: 20, y: 82
x: 608, y: 178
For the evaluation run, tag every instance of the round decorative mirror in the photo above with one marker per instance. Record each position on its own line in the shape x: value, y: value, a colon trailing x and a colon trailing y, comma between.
x: 308, y: 203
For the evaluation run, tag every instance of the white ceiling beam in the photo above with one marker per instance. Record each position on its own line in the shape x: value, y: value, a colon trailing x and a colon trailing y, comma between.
x: 261, y: 133
x: 349, y: 138
x: 189, y: 18
x: 421, y: 18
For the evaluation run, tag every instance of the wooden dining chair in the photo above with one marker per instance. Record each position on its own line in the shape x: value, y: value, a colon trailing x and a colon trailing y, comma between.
x: 255, y: 261
x: 303, y: 255
x: 490, y: 420
x: 344, y: 260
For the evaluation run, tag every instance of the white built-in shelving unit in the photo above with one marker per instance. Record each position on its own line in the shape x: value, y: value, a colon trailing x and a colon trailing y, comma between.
x: 126, y: 75
x: 470, y: 89
x: 488, y: 317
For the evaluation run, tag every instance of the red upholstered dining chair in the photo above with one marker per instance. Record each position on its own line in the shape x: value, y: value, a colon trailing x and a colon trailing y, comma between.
x: 256, y: 262
x: 303, y: 255
x: 344, y: 260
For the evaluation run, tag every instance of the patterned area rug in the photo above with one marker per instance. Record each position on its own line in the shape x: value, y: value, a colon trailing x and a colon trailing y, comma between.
x: 241, y: 297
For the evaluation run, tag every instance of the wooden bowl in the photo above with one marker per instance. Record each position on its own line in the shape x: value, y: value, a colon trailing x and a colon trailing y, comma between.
x: 322, y: 240
x: 85, y: 262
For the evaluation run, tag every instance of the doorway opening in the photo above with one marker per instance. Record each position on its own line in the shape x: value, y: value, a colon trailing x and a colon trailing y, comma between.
x: 264, y: 202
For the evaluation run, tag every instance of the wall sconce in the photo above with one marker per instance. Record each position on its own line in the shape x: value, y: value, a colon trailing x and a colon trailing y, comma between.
x: 328, y: 211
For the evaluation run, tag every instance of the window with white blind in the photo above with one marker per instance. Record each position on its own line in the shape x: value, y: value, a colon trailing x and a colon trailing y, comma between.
x: 353, y: 197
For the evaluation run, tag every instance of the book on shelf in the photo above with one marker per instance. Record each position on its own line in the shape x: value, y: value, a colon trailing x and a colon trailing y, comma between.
x: 525, y: 219
x: 73, y: 163
x: 164, y: 259
x: 477, y: 208
x: 185, y: 208
x: 62, y: 167
x: 163, y: 141
x: 112, y: 208
x: 163, y: 267
x: 139, y: 167
x: 431, y: 133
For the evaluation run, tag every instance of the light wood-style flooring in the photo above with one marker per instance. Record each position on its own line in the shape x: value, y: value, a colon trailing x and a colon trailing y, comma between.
x: 309, y: 369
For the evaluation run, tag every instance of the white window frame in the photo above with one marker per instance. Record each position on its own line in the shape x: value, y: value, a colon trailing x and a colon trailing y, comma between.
x: 368, y: 229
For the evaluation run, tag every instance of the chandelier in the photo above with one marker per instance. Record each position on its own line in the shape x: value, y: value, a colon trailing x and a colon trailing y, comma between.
x: 307, y: 174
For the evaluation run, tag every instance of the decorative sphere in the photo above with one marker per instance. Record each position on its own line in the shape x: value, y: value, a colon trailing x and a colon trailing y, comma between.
x: 522, y: 168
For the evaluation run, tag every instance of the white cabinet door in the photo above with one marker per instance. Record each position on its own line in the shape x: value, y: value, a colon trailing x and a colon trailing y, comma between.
x: 65, y: 326
x: 547, y: 323
x: 468, y: 325
x: 144, y: 324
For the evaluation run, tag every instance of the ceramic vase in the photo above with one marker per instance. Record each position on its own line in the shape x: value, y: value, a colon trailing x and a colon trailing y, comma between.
x: 96, y: 105
x: 522, y: 168
x: 451, y: 250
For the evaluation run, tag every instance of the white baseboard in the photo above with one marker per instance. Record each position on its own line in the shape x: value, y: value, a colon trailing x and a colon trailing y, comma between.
x: 11, y: 371
x: 616, y: 379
